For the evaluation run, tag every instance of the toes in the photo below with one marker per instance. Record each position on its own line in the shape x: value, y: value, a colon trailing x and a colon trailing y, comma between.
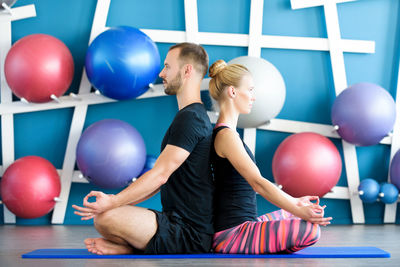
x: 90, y: 245
x: 99, y: 253
x: 89, y: 241
x: 96, y: 251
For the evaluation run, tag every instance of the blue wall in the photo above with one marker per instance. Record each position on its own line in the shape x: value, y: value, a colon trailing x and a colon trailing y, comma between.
x: 307, y: 74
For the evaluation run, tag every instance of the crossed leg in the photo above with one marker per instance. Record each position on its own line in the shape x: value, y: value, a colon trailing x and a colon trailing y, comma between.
x: 124, y: 230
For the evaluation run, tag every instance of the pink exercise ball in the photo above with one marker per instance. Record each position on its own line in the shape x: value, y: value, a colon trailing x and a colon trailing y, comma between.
x: 306, y: 164
x: 38, y: 66
x: 29, y: 186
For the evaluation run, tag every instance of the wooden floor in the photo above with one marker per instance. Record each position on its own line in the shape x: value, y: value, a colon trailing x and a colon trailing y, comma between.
x: 17, y: 240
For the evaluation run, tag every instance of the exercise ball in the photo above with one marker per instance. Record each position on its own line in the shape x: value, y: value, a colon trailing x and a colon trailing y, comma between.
x: 29, y: 186
x: 365, y: 114
x: 110, y: 153
x: 121, y: 62
x: 368, y: 190
x: 149, y: 164
x: 388, y: 193
x: 9, y: 3
x: 269, y: 91
x: 306, y: 164
x: 38, y: 66
x: 394, y: 170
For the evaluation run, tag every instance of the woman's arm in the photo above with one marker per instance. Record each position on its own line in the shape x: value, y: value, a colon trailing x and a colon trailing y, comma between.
x: 229, y: 145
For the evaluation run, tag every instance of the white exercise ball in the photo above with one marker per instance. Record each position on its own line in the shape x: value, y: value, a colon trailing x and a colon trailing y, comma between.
x: 9, y: 3
x: 269, y: 91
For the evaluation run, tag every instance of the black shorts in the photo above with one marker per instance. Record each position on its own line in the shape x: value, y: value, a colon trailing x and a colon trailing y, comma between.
x: 174, y: 236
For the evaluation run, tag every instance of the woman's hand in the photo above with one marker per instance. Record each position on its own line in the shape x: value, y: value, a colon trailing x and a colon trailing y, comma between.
x: 312, y: 211
x: 307, y: 200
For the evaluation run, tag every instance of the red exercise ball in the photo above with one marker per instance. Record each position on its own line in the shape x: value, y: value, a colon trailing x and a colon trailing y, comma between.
x: 29, y: 186
x: 306, y: 164
x: 38, y: 66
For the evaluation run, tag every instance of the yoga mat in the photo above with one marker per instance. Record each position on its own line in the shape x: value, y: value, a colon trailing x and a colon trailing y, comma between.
x: 310, y: 252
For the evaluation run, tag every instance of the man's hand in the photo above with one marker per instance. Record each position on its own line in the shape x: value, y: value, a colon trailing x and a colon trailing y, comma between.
x: 89, y: 210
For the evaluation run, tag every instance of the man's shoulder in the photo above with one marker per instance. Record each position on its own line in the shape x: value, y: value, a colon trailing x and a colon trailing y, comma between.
x: 194, y: 108
x: 194, y: 111
x: 194, y: 121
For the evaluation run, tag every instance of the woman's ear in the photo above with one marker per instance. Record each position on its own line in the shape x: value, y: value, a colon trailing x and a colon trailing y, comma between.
x: 231, y: 92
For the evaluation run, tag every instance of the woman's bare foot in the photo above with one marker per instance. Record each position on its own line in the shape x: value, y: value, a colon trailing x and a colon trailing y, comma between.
x: 101, y: 246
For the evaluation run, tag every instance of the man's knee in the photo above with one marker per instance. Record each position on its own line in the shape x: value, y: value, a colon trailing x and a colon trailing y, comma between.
x: 105, y: 219
x: 134, y: 225
x: 125, y: 216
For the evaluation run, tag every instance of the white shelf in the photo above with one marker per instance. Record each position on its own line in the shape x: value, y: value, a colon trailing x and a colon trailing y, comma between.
x: 255, y: 41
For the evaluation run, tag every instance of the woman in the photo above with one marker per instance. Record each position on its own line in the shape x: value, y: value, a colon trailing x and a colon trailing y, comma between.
x: 237, y: 178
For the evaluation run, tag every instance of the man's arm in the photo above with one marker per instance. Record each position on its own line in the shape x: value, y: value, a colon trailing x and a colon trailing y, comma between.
x: 145, y: 186
x: 169, y: 160
x: 145, y: 198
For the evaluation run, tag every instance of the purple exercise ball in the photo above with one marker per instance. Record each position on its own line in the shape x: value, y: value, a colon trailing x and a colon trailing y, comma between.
x: 365, y: 114
x: 110, y: 153
x: 395, y: 170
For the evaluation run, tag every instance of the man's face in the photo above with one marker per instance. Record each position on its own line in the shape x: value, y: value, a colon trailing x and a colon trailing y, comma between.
x: 171, y: 73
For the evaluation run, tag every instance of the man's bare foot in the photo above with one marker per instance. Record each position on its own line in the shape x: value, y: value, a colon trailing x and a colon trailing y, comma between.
x: 101, y: 246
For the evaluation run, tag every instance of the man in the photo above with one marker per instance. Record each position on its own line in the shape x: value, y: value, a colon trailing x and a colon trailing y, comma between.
x: 182, y: 172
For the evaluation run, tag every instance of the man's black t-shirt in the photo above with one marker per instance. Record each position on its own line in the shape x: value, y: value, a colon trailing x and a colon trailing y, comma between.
x: 189, y: 190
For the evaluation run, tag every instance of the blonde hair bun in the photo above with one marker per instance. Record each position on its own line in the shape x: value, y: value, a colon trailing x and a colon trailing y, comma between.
x: 217, y: 67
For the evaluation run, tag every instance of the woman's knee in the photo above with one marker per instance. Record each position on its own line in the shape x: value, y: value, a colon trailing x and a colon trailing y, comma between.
x: 317, y: 232
x: 313, y: 235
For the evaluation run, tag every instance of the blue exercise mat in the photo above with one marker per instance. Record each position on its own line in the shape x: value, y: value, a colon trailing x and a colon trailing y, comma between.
x: 310, y: 252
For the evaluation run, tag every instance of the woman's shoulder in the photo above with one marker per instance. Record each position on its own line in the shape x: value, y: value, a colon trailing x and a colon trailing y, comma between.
x: 227, y: 138
x: 224, y: 132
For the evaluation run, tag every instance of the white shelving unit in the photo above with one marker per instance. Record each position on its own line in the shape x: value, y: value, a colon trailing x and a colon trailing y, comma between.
x: 255, y: 41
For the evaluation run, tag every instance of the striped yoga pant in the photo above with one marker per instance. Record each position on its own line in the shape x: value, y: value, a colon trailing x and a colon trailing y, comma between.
x: 275, y: 232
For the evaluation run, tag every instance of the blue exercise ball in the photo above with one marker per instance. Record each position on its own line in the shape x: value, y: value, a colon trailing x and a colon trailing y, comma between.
x: 388, y: 193
x: 365, y: 114
x: 149, y: 164
x: 110, y: 153
x: 121, y: 62
x: 368, y: 190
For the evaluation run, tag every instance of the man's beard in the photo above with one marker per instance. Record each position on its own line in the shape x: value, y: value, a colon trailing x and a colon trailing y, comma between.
x: 173, y: 86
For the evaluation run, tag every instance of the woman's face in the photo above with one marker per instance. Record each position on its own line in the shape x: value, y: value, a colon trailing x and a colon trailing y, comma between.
x: 245, y: 95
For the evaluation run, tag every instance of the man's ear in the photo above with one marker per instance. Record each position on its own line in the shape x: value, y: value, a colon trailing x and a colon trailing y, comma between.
x: 188, y: 69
